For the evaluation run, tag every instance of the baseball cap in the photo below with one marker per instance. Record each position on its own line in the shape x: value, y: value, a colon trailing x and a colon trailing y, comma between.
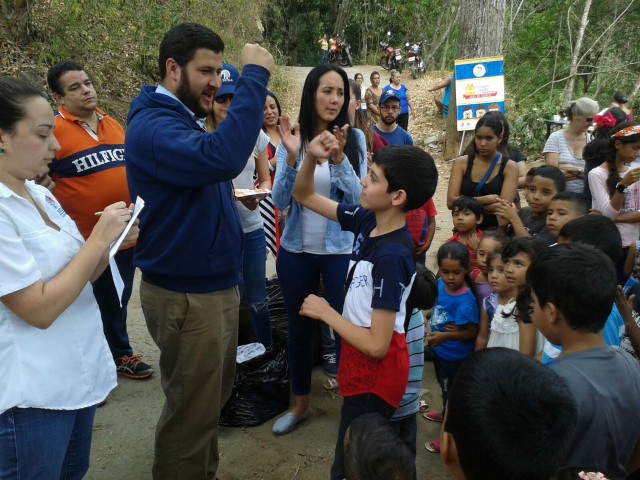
x: 387, y: 95
x: 229, y: 77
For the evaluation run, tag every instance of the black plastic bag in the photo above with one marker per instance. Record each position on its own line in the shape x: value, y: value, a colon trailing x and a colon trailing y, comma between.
x: 260, y: 390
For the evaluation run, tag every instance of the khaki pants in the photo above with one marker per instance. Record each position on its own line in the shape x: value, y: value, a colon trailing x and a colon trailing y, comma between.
x: 198, y: 337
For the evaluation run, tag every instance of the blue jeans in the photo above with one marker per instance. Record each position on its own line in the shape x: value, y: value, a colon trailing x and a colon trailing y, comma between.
x: 446, y: 371
x: 299, y: 275
x: 352, y: 408
x: 114, y: 317
x: 254, y: 288
x: 42, y: 444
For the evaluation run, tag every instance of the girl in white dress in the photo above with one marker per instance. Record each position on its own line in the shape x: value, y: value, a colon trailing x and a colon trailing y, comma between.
x: 498, y: 327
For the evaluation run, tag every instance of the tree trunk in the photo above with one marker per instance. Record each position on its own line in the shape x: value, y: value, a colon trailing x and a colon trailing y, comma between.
x: 343, y: 17
x: 14, y: 20
x: 444, y: 37
x: 476, y: 38
x: 573, y: 69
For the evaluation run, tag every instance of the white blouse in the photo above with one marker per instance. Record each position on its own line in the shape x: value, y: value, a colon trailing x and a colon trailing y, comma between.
x: 67, y: 366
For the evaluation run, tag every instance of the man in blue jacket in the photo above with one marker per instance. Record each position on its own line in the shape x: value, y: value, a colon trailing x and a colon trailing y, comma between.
x: 190, y: 251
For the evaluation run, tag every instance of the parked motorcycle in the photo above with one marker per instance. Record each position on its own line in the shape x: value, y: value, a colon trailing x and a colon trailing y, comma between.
x: 415, y: 60
x: 391, y: 57
x: 341, y: 53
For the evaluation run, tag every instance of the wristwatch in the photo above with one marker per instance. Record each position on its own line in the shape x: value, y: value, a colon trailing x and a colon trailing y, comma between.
x: 579, y: 172
x: 621, y: 187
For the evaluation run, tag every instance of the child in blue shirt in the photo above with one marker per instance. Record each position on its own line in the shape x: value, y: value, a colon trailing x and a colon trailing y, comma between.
x: 454, y: 322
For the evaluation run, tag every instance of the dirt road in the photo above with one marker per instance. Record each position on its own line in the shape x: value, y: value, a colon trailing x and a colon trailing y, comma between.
x: 124, y: 428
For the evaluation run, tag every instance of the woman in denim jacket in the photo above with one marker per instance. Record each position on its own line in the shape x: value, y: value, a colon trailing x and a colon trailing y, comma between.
x: 312, y: 247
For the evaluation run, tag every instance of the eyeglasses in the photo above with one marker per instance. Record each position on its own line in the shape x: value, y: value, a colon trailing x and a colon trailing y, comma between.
x: 224, y: 98
x: 393, y: 108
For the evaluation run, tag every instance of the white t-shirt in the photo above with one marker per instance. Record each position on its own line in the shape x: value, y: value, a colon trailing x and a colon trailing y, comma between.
x: 314, y: 226
x: 68, y: 366
x: 250, y: 220
x: 557, y: 143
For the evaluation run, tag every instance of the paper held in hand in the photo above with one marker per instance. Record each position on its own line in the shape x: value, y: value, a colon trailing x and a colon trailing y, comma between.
x: 247, y: 193
x: 118, y: 243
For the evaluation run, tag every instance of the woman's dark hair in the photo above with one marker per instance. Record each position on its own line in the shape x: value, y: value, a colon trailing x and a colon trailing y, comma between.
x: 620, y: 98
x: 275, y: 99
x: 355, y: 77
x: 533, y: 248
x: 610, y: 158
x: 598, y: 147
x: 496, y: 122
x: 374, y: 73
x: 308, y: 118
x: 14, y: 94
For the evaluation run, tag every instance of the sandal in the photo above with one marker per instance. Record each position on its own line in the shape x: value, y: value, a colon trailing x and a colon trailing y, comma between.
x: 424, y: 407
x: 433, y: 446
x: 330, y: 384
x: 433, y: 416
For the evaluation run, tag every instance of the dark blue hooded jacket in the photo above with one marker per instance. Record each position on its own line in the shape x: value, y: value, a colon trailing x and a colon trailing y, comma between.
x: 190, y: 235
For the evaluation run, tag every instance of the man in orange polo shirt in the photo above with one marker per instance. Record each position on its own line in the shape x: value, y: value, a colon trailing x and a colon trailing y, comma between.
x: 89, y: 172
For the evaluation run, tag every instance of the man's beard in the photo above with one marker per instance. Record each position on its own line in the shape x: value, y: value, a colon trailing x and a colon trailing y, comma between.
x: 186, y: 96
x: 386, y: 121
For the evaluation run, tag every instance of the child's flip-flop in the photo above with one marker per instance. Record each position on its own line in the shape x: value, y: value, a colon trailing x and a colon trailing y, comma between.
x: 433, y: 416
x: 433, y: 446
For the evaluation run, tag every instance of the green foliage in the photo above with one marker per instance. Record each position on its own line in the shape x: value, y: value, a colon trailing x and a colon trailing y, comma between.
x: 528, y: 130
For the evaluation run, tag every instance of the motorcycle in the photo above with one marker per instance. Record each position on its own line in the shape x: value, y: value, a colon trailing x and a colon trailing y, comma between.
x: 414, y: 57
x: 341, y: 53
x: 391, y: 58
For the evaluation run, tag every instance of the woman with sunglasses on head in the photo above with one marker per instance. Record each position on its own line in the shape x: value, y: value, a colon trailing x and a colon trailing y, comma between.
x: 312, y: 247
x: 254, y: 287
x: 564, y: 148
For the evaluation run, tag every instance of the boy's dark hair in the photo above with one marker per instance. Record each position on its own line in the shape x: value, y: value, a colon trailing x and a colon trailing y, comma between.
x: 578, y: 201
x: 595, y: 230
x: 410, y: 169
x: 182, y: 41
x: 552, y: 173
x: 533, y: 248
x: 59, y: 69
x: 374, y: 451
x: 579, y: 280
x: 503, y: 401
x: 467, y: 203
x: 531, y: 172
x: 14, y: 94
